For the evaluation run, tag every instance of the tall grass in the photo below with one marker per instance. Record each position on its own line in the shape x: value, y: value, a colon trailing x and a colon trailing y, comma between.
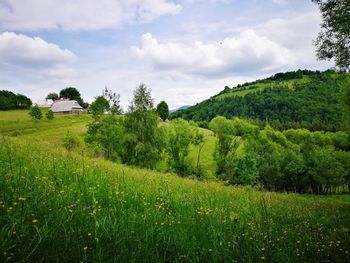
x: 65, y: 207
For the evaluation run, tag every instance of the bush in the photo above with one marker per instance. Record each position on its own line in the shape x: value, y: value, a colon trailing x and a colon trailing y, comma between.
x: 50, y: 115
x: 35, y: 113
x: 70, y: 141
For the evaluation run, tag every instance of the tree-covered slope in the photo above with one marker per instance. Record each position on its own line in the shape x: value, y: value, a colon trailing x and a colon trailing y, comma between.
x: 298, y: 99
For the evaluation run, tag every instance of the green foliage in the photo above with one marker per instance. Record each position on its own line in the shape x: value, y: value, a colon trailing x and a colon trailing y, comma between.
x: 113, y: 101
x: 293, y: 160
x: 333, y: 40
x: 144, y: 140
x: 142, y: 100
x: 163, y: 110
x: 50, y: 115
x: 10, y: 101
x: 223, y: 129
x: 71, y: 141
x: 52, y: 96
x: 179, y: 135
x: 108, y: 133
x: 345, y: 102
x: 99, y: 106
x: 35, y: 113
x: 73, y: 94
x: 313, y: 105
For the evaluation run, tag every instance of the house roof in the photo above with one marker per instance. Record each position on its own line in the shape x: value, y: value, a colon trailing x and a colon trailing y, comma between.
x: 65, y: 105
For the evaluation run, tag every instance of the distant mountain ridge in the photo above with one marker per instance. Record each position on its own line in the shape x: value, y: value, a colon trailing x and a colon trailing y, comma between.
x: 295, y: 99
x: 184, y: 107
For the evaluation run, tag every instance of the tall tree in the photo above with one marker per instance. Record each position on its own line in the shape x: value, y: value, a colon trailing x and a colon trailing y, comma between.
x: 163, y: 110
x: 144, y: 141
x: 180, y: 134
x: 333, y: 41
x: 73, y: 94
x: 99, y: 106
x: 52, y: 96
x: 142, y: 99
x: 113, y: 100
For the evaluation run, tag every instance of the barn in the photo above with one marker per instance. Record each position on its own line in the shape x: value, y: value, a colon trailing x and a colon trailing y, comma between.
x: 65, y: 106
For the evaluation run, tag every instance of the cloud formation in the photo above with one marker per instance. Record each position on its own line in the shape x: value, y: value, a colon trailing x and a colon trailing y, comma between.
x: 278, y: 44
x: 80, y: 14
x: 32, y: 60
x: 245, y: 53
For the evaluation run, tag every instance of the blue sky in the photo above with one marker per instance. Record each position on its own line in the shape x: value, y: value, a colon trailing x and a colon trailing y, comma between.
x: 183, y: 50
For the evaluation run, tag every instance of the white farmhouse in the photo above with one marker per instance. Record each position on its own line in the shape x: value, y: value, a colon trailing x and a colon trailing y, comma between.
x: 65, y: 106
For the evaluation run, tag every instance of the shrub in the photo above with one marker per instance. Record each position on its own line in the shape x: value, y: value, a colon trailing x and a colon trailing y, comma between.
x: 35, y: 113
x: 50, y: 115
x: 70, y: 141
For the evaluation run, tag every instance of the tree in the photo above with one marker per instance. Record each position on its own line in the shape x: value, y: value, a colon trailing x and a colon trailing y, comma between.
x: 22, y: 102
x: 50, y: 115
x: 70, y: 93
x: 99, y: 106
x: 109, y: 134
x: 52, y: 96
x: 334, y: 39
x: 144, y: 140
x: 113, y: 100
x: 163, y: 110
x: 9, y: 100
x: 180, y: 134
x: 223, y: 129
x: 73, y: 94
x: 142, y: 99
x: 35, y: 113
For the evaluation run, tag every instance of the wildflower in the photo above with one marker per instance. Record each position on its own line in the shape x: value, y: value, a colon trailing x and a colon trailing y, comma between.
x: 34, y: 221
x: 74, y: 204
x: 86, y: 206
x: 85, y: 248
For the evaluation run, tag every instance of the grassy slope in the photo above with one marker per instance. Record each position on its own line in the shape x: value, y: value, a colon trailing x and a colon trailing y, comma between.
x: 259, y: 86
x: 141, y: 215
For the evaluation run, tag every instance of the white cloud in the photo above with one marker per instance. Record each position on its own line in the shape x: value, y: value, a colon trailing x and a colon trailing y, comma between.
x: 276, y: 45
x: 247, y: 52
x: 32, y: 63
x: 80, y: 14
x: 21, y: 50
x: 295, y: 34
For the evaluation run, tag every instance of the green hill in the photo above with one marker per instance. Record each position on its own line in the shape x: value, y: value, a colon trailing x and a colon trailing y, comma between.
x: 298, y: 99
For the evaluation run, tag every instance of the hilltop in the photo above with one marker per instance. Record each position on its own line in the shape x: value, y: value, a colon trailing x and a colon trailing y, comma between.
x: 297, y: 99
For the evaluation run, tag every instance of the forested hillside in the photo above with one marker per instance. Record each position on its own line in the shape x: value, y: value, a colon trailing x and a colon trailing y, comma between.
x: 299, y: 99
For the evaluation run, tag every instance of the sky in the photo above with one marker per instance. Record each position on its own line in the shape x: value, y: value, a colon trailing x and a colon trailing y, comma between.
x: 184, y: 50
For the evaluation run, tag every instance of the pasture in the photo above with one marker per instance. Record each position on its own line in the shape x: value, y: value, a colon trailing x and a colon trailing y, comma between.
x: 60, y: 206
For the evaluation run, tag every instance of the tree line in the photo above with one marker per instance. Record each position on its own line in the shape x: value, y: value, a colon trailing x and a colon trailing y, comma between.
x: 295, y: 160
x: 313, y: 105
x: 137, y: 138
x: 11, y: 101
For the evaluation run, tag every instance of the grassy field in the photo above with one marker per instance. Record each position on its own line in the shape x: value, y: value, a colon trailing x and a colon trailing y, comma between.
x: 59, y: 206
x: 260, y: 86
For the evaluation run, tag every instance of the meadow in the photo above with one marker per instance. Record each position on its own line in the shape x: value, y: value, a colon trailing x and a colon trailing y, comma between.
x: 60, y: 206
